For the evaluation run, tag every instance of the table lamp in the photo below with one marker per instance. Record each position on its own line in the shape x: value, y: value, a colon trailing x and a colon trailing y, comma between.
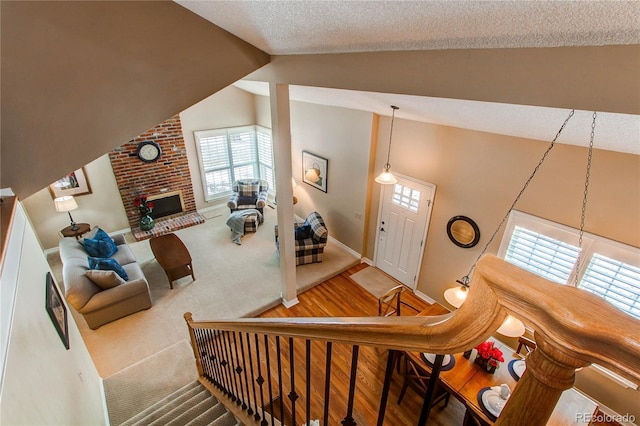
x: 66, y: 204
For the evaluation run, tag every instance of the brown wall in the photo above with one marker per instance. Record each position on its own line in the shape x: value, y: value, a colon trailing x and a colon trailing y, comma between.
x: 81, y: 78
x: 603, y: 78
x: 169, y: 173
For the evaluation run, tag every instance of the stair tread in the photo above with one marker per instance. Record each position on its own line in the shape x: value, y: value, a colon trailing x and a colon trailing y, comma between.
x: 171, y: 411
x: 226, y: 419
x: 187, y: 414
x: 168, y: 403
x: 209, y: 416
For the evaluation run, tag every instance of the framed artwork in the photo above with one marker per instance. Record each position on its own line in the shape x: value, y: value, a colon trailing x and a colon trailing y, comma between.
x: 75, y: 183
x: 57, y: 310
x: 314, y: 170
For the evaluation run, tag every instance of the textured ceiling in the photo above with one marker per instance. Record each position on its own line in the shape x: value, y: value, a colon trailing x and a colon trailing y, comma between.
x: 306, y: 27
x: 303, y: 27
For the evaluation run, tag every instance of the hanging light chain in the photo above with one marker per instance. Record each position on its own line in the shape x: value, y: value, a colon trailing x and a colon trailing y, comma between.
x: 584, y: 199
x: 393, y: 117
x: 465, y: 280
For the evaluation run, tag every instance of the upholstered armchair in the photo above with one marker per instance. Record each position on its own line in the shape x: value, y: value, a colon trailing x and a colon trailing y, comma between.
x: 310, y: 238
x: 248, y: 194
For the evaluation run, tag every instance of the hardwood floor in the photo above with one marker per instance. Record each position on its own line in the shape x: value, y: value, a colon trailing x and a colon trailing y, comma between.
x: 342, y: 297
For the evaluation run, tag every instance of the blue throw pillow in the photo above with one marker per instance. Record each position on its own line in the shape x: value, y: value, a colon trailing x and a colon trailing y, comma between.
x: 108, y: 264
x: 101, y: 245
x: 303, y: 232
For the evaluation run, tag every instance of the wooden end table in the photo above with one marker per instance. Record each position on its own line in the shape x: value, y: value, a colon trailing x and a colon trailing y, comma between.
x: 83, y: 228
x: 173, y: 256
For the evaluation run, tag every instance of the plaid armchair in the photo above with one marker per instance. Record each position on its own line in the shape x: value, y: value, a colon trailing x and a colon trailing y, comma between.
x: 310, y: 237
x: 248, y: 194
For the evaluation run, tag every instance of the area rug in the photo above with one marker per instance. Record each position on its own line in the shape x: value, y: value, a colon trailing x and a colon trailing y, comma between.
x: 374, y: 281
x: 139, y: 386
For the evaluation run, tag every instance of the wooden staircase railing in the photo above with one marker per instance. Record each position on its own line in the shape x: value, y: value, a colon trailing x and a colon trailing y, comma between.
x: 251, y: 361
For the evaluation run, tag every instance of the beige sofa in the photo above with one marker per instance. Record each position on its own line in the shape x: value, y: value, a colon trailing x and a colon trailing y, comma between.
x: 100, y: 306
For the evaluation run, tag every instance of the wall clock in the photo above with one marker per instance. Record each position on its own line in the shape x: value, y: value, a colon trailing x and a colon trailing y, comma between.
x: 148, y: 151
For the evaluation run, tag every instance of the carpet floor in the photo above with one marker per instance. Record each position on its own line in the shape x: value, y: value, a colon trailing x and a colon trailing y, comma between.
x: 232, y: 281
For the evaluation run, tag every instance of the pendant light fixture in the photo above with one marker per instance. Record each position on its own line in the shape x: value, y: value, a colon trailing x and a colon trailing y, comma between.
x: 386, y: 177
x: 512, y: 327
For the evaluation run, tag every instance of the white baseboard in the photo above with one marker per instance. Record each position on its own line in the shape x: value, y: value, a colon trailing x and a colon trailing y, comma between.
x: 349, y: 249
x: 289, y: 303
x: 423, y: 296
x: 367, y: 261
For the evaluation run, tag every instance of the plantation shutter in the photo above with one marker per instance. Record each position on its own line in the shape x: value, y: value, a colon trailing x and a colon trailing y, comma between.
x: 265, y: 157
x: 243, y: 153
x: 614, y: 281
x: 545, y: 256
x: 216, y: 163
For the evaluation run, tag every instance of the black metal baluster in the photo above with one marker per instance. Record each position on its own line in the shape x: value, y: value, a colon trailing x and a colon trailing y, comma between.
x: 234, y: 380
x: 348, y: 420
x: 217, y: 361
x: 308, y: 357
x: 268, y: 356
x: 253, y: 379
x: 327, y: 384
x: 223, y: 363
x: 238, y: 371
x: 246, y: 379
x: 431, y: 387
x: 391, y: 357
x: 205, y: 355
x: 280, y: 378
x: 260, y: 380
x: 212, y: 360
x: 293, y: 396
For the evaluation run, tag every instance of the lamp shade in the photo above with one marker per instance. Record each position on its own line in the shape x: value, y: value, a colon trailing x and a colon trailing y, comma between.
x: 312, y: 175
x: 511, y: 327
x: 65, y: 204
x: 456, y: 295
x: 386, y: 178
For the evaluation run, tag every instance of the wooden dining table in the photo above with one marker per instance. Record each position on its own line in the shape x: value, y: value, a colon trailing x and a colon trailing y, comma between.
x: 466, y: 379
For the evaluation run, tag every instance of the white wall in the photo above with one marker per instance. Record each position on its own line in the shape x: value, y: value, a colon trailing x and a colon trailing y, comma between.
x: 343, y: 137
x: 44, y: 383
x: 102, y: 207
x: 230, y: 107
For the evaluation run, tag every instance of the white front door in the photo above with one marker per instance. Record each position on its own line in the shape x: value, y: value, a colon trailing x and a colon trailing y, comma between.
x: 405, y: 209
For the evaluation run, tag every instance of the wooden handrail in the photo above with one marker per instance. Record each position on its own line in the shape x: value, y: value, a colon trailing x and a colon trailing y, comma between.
x: 572, y: 329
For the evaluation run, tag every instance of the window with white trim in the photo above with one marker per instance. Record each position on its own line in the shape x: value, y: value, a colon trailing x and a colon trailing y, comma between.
x: 406, y: 197
x: 230, y: 154
x: 608, y: 268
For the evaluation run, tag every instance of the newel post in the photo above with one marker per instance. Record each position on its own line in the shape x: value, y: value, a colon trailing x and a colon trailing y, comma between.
x: 549, y: 373
x: 188, y: 317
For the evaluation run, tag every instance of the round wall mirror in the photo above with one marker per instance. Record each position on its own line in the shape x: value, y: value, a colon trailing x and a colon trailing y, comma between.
x: 463, y: 231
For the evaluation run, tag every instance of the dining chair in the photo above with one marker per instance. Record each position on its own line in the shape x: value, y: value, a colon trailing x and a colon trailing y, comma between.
x: 525, y: 343
x: 391, y: 302
x: 417, y: 378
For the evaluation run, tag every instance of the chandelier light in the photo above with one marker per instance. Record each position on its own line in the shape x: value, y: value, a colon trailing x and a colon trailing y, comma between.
x: 386, y: 177
x: 456, y: 296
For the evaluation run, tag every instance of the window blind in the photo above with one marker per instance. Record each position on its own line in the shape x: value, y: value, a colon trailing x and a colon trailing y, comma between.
x: 542, y: 255
x: 227, y: 155
x: 615, y: 281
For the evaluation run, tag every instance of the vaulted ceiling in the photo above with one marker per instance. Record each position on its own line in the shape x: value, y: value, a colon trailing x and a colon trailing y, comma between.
x: 322, y: 27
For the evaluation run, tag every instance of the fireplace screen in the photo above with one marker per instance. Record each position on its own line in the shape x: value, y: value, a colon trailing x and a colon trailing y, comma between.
x: 167, y: 205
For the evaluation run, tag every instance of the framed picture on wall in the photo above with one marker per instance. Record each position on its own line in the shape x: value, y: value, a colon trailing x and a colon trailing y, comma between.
x: 314, y: 170
x: 75, y: 183
x: 56, y: 309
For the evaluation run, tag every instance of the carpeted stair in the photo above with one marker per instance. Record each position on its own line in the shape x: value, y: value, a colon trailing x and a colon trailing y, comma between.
x: 191, y: 405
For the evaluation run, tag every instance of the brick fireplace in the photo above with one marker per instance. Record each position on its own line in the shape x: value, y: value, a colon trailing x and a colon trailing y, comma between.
x: 167, y: 177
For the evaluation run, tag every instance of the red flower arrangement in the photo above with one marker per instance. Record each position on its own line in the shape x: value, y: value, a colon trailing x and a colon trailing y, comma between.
x: 145, y: 207
x: 490, y: 353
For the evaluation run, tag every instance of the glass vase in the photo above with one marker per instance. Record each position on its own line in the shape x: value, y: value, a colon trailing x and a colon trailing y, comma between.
x: 147, y: 223
x: 485, y: 365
